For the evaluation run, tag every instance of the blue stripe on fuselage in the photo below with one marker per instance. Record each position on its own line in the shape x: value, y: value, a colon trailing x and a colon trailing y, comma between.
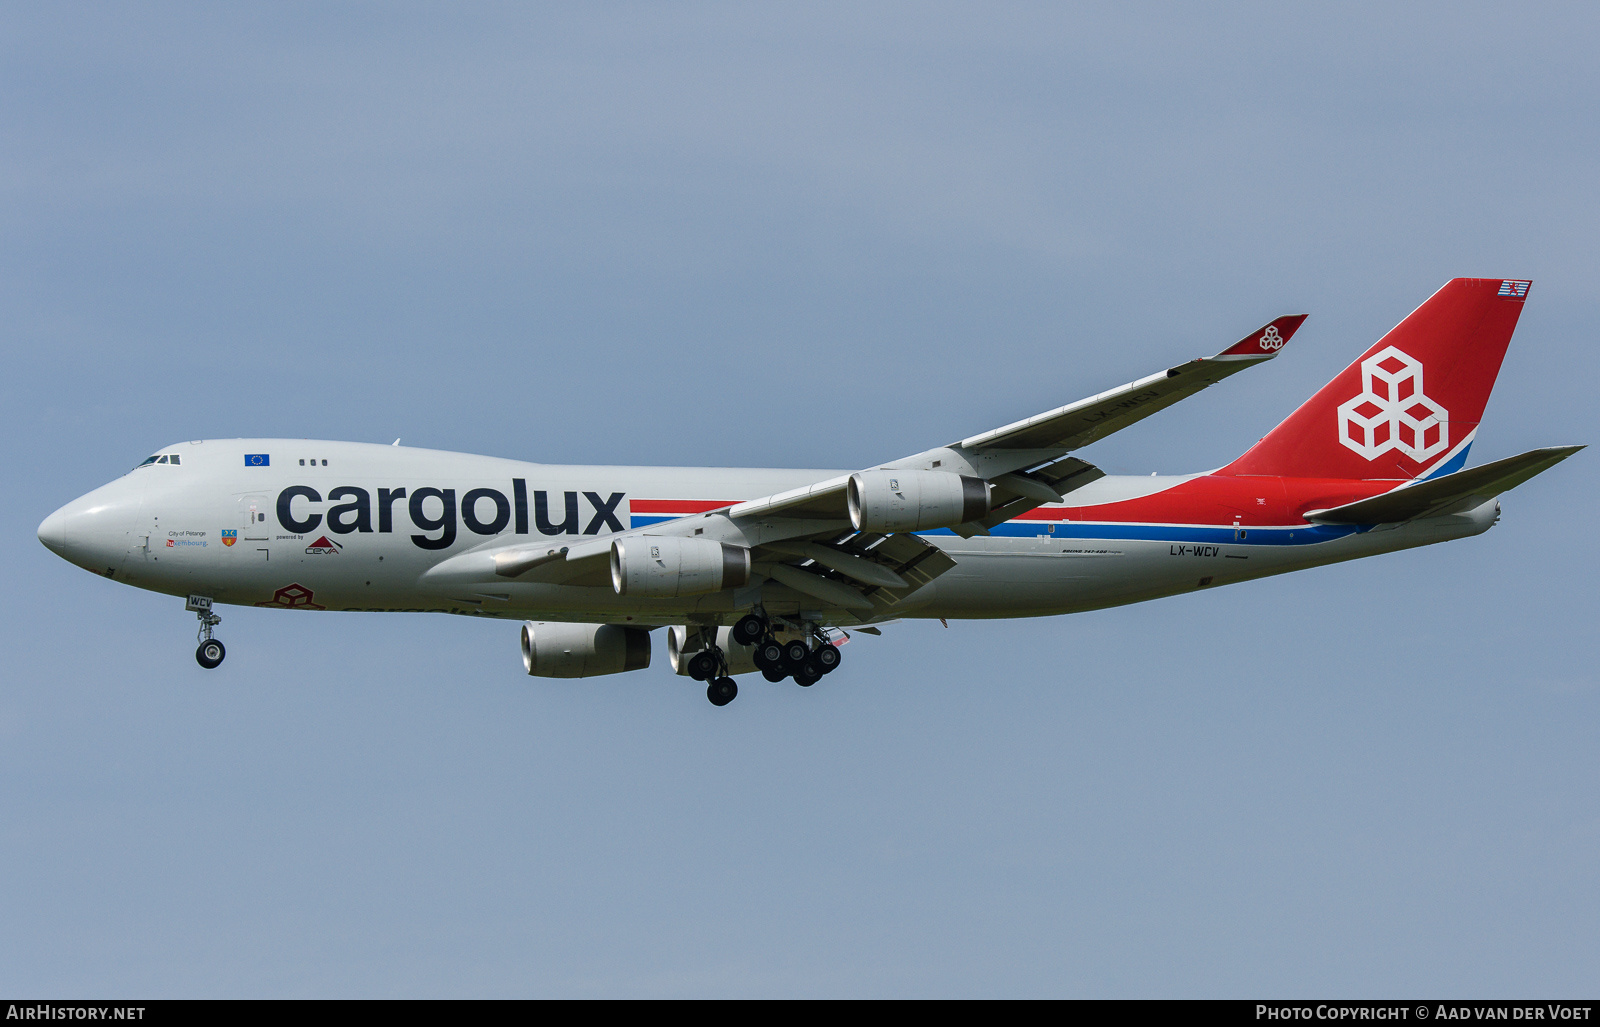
x: 1297, y: 535
x: 1452, y: 465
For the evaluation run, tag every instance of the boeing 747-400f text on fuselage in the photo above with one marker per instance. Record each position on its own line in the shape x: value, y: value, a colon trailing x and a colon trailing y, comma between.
x: 768, y: 570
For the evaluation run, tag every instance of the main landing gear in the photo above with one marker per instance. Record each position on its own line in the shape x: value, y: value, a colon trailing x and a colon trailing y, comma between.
x: 711, y: 664
x: 804, y: 659
x: 211, y: 652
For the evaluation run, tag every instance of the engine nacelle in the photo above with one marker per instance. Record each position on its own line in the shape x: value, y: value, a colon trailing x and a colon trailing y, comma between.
x: 914, y: 500
x: 666, y: 567
x: 741, y: 658
x: 558, y: 650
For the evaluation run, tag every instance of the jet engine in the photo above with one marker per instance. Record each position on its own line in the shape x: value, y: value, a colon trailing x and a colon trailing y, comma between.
x: 559, y: 650
x: 914, y: 500
x: 741, y: 658
x: 665, y: 566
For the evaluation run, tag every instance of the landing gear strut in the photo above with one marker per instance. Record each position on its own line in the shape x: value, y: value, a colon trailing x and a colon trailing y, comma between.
x: 211, y: 651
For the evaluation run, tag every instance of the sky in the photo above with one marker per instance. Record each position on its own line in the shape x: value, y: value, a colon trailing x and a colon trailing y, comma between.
x: 804, y: 235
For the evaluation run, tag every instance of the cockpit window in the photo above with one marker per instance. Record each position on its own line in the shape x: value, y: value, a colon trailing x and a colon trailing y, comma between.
x: 173, y: 459
x: 161, y: 460
x: 148, y: 460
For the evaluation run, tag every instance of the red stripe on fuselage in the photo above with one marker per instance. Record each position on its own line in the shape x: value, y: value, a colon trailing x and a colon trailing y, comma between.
x: 676, y: 506
x: 1223, y: 499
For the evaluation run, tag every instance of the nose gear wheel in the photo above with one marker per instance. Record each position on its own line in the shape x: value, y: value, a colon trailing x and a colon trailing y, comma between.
x: 210, y: 654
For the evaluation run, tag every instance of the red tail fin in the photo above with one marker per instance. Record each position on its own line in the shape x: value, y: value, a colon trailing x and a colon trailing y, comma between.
x: 1411, y: 404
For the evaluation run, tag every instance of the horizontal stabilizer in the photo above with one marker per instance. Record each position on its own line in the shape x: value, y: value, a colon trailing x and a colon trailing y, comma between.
x: 1436, y: 497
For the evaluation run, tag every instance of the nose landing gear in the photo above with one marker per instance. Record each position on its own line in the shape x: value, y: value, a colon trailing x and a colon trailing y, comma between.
x: 211, y: 652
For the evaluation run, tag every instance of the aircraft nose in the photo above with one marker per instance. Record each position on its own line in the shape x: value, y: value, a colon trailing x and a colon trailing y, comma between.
x: 53, y: 532
x: 92, y: 530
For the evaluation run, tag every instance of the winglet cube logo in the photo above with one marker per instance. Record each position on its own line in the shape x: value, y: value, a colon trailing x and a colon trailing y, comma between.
x: 1391, y: 411
x: 1270, y: 339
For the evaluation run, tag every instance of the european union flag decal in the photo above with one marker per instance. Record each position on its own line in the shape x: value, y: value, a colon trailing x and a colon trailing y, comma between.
x: 257, y: 460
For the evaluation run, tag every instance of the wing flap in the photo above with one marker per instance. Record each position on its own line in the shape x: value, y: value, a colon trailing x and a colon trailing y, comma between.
x: 834, y: 593
x: 1437, y: 497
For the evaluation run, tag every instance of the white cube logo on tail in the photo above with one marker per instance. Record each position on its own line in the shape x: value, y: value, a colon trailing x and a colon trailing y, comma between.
x: 1391, y: 412
x: 1270, y: 339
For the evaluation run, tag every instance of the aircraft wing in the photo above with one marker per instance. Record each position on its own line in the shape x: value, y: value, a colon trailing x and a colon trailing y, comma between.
x: 1039, y: 443
x: 1088, y: 420
x: 1450, y: 493
x: 803, y: 538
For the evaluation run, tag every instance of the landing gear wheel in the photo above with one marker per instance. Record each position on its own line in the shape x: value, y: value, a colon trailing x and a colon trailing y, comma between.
x: 210, y: 654
x: 721, y: 691
x: 749, y: 629
x: 826, y: 658
x: 702, y: 666
x: 795, y: 654
x: 769, y: 656
x: 815, y: 662
x: 774, y: 674
x: 807, y: 675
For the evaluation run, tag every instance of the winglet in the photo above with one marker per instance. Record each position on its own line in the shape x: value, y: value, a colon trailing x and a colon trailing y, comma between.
x: 1265, y: 342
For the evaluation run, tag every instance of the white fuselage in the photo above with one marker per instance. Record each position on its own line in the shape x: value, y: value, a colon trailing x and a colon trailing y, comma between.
x: 353, y: 526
